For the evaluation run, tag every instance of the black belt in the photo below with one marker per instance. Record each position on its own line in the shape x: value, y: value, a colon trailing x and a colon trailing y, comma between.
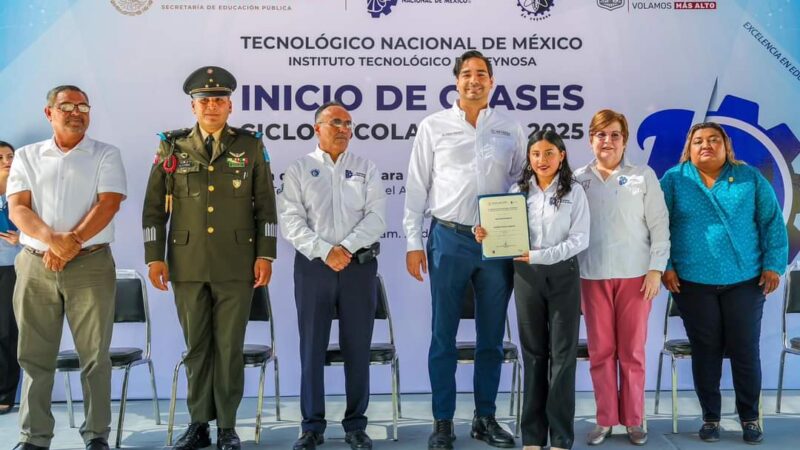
x: 84, y: 251
x: 461, y: 228
x: 367, y: 254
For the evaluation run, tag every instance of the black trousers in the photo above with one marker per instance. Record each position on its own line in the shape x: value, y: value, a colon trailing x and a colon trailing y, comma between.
x: 319, y: 292
x: 548, y: 300
x: 9, y: 367
x: 724, y: 320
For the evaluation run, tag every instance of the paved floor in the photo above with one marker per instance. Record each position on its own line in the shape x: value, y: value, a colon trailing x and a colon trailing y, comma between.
x: 781, y: 431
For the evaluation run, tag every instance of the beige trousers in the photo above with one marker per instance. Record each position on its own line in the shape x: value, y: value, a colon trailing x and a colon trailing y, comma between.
x: 84, y: 293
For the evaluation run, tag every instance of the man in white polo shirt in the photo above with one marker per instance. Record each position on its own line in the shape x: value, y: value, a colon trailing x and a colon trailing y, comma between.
x: 63, y: 194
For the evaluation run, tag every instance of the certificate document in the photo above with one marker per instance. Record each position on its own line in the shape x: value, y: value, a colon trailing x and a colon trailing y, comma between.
x: 505, y: 219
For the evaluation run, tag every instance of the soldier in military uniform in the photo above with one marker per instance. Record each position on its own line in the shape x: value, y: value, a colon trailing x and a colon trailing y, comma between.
x: 214, y: 186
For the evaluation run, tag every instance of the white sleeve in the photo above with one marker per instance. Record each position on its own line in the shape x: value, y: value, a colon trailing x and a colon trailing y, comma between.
x: 293, y: 219
x: 373, y: 224
x: 112, y: 173
x: 18, y: 180
x: 418, y: 186
x: 657, y: 219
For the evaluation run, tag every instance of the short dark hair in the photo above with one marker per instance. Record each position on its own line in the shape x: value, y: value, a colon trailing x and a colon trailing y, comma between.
x: 325, y: 106
x: 6, y: 144
x: 469, y: 55
x: 53, y: 93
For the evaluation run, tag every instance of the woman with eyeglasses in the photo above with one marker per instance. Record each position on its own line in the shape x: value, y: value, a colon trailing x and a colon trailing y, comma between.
x: 729, y: 248
x: 9, y: 247
x: 547, y: 291
x: 620, y: 274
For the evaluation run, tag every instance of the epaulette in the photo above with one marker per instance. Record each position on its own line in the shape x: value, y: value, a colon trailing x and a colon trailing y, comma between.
x: 174, y: 134
x: 245, y: 132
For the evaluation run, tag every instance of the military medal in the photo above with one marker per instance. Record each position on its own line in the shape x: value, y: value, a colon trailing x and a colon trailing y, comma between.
x: 170, y: 165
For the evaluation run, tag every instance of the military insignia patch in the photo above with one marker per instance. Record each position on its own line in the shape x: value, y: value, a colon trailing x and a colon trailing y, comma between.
x: 237, y: 184
x: 236, y: 162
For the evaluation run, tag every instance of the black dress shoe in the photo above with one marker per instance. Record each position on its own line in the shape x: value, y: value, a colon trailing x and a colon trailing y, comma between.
x: 751, y: 433
x: 709, y: 432
x: 442, y: 436
x: 227, y: 439
x: 487, y: 429
x: 196, y: 436
x: 309, y: 440
x: 358, y: 439
x: 97, y: 444
x: 28, y: 446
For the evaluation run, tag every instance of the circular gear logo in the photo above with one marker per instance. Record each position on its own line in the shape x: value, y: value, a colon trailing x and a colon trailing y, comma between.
x: 536, y: 9
x: 378, y: 8
x: 132, y: 7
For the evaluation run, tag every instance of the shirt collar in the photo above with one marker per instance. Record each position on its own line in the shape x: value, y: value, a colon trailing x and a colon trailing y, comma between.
x: 86, y: 144
x: 623, y: 164
x: 216, y: 134
x: 485, y: 112
x: 325, y: 158
x: 550, y: 187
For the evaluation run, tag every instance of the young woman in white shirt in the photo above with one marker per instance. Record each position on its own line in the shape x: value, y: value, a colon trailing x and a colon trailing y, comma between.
x: 547, y: 291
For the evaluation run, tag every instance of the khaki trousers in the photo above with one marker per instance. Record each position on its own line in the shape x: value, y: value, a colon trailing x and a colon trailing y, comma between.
x: 84, y: 293
x: 214, y: 317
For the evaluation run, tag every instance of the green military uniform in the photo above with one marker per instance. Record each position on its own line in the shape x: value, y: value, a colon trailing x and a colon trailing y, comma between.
x: 222, y: 216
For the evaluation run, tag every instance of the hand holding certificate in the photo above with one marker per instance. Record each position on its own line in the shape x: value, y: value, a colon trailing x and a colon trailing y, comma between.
x: 504, y: 217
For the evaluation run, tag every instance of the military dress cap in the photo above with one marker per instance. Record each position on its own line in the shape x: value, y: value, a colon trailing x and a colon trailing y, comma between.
x: 209, y: 81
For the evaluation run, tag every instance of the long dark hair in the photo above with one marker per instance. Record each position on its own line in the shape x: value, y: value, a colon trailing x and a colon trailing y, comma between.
x: 564, y: 172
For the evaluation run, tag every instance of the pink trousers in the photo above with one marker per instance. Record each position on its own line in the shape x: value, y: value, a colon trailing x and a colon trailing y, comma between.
x: 616, y: 313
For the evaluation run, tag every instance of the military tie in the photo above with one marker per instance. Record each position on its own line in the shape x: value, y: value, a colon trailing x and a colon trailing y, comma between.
x: 210, y: 146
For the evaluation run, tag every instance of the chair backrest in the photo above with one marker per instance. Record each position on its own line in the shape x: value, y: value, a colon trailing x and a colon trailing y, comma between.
x: 381, y: 306
x: 673, y: 307
x: 130, y: 297
x: 468, y: 308
x: 261, y: 311
x: 381, y: 302
x: 791, y: 298
x: 260, y: 308
x: 130, y: 302
x: 671, y: 311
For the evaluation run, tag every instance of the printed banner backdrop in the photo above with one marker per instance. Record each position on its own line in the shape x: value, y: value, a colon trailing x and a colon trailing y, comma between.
x: 665, y: 64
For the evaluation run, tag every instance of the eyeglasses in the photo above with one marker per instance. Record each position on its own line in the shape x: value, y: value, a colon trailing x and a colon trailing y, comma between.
x: 69, y: 107
x: 713, y: 140
x: 339, y: 123
x: 615, y: 136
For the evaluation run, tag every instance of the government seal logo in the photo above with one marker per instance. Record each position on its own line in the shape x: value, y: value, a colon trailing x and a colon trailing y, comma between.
x: 536, y: 9
x: 132, y: 7
x: 611, y: 4
x: 377, y: 8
